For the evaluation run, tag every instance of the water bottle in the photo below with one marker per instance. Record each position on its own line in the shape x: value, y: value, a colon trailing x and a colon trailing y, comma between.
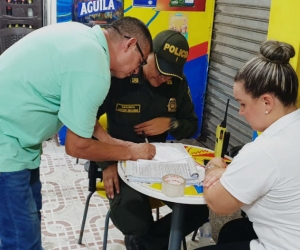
x: 205, y: 235
x: 29, y: 10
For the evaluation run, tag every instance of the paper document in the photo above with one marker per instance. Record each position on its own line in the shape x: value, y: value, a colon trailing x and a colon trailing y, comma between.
x: 170, y: 152
x: 171, y: 158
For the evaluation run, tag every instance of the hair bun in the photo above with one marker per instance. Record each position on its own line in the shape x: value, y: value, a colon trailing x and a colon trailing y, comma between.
x: 277, y: 52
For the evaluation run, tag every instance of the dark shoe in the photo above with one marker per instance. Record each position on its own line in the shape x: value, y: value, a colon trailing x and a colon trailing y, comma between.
x: 133, y: 243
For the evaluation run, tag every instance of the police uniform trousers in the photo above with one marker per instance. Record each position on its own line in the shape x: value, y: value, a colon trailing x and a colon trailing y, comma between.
x: 131, y: 213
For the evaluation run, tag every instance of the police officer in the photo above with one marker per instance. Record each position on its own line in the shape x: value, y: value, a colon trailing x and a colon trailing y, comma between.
x: 157, y: 101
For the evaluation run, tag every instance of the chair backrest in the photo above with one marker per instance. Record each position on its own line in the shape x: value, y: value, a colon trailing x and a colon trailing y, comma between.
x: 94, y: 173
x: 103, y: 121
x: 9, y: 36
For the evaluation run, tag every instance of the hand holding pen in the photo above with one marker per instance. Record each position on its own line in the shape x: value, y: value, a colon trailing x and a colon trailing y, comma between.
x: 142, y: 151
x: 145, y: 137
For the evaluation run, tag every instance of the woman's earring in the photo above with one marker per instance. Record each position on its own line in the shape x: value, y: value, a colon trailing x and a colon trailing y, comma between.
x: 267, y: 112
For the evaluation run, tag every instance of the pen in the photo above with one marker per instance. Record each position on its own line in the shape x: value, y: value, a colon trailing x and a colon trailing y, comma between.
x: 209, y: 158
x: 145, y: 137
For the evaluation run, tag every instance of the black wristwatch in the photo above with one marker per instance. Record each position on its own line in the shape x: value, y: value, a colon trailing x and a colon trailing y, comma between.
x: 173, y: 124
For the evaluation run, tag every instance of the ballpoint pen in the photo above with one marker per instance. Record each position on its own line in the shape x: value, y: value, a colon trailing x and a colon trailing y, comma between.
x: 145, y: 137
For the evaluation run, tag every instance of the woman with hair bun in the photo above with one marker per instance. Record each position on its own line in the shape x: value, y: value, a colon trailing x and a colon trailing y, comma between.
x: 264, y: 178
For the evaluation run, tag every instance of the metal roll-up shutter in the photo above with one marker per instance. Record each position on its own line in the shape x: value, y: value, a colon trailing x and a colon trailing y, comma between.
x: 240, y: 26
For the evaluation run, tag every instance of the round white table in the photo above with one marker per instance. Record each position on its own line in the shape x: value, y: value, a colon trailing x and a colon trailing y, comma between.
x: 192, y: 194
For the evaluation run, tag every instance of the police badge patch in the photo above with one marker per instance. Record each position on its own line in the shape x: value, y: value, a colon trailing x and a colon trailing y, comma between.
x: 172, y: 106
x: 134, y: 80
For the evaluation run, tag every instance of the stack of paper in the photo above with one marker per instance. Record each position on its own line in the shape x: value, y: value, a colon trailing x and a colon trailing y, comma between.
x: 171, y: 158
x: 170, y: 152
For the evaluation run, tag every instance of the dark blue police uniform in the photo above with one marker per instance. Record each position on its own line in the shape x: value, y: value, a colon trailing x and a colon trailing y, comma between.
x: 131, y: 101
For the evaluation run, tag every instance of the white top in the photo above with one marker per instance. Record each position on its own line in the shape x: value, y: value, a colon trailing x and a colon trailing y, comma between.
x: 265, y: 176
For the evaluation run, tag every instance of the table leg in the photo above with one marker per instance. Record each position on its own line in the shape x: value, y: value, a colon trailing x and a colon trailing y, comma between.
x: 176, y: 233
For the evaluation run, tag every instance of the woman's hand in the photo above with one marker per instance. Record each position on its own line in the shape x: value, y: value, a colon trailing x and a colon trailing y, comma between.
x: 214, y: 170
x: 212, y: 176
x: 218, y: 161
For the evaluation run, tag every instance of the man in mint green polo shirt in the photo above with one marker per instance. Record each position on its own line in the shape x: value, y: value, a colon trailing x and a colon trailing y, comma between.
x: 58, y: 75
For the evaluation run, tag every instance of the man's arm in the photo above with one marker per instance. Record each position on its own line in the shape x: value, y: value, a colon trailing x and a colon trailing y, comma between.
x: 94, y: 150
x: 103, y: 136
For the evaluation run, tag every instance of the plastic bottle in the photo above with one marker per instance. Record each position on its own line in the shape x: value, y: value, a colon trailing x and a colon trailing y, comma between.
x: 29, y: 10
x: 205, y: 235
x: 8, y: 8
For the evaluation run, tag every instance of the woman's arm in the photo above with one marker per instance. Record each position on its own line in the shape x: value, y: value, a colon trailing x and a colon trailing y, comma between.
x: 216, y: 196
x: 220, y: 200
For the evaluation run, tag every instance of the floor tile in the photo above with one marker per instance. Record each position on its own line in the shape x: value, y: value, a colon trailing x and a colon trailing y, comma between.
x: 64, y: 190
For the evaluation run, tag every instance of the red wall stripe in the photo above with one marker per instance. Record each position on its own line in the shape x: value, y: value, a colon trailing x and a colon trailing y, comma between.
x: 198, y: 51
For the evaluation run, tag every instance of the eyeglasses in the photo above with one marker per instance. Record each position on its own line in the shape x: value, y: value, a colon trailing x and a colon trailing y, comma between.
x: 144, y: 61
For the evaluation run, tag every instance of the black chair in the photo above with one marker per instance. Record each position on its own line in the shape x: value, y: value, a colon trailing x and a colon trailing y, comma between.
x: 95, y: 174
x: 9, y: 36
x: 234, y: 150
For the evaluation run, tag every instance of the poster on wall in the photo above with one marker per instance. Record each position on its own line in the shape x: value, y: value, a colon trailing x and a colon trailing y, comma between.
x: 97, y: 12
x: 144, y: 3
x: 179, y: 22
x: 180, y: 5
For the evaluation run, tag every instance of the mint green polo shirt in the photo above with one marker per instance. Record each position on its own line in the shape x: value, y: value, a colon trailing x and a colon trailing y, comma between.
x: 59, y: 74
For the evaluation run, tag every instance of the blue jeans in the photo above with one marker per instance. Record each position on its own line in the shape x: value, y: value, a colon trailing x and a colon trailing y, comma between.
x: 20, y: 205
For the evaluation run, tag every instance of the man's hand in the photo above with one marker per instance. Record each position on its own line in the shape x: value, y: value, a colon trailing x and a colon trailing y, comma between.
x: 142, y: 151
x: 155, y: 126
x: 111, y: 180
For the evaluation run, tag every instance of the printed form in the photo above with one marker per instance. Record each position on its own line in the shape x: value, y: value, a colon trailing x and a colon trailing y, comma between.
x: 170, y: 158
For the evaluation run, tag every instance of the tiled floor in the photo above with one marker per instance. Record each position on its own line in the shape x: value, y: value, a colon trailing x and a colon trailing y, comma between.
x: 65, y: 188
